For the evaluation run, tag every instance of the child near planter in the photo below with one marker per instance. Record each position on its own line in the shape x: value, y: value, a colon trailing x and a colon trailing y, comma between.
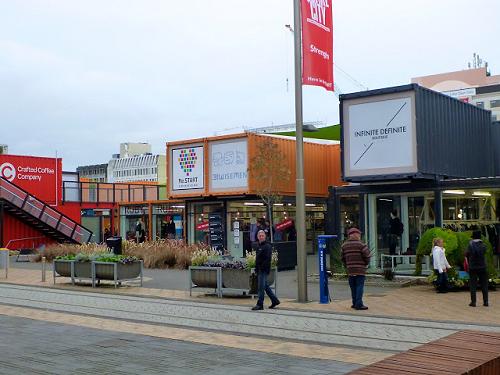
x: 441, y: 265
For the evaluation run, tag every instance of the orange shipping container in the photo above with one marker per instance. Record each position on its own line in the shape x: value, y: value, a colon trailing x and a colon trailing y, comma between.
x: 195, y: 159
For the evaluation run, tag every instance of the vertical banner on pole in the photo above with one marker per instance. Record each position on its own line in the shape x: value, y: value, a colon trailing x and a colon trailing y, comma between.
x: 317, y: 43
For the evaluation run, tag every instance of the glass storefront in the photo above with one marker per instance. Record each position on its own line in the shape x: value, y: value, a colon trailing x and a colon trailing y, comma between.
x: 473, y: 209
x: 349, y: 214
x: 198, y: 220
x: 129, y: 217
x: 462, y: 210
x: 244, y: 218
x: 168, y: 221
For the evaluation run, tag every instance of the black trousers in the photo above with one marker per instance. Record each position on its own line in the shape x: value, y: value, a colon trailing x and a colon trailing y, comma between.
x: 483, y: 282
x: 393, y: 243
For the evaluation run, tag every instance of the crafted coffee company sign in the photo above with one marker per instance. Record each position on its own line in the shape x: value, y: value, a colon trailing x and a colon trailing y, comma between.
x: 187, y: 168
x: 379, y: 137
x: 29, y: 173
x: 37, y: 175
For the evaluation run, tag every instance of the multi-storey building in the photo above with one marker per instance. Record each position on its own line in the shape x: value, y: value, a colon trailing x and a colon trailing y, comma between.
x: 146, y: 167
x: 475, y: 86
x: 93, y: 173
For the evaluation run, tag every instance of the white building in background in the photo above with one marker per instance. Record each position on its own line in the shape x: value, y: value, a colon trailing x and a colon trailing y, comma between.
x: 475, y: 86
x: 134, y: 165
x: 130, y: 149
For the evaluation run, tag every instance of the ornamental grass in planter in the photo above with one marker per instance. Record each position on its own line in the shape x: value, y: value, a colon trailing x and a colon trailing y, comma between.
x: 155, y: 254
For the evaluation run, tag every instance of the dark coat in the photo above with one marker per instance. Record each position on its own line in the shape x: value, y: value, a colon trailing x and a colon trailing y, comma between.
x: 395, y: 224
x: 475, y: 255
x: 264, y: 252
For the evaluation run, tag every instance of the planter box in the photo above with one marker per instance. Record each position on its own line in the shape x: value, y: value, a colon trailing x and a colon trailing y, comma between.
x: 97, y: 271
x: 106, y: 271
x: 117, y: 272
x: 204, y: 278
x: 235, y: 279
x: 62, y: 268
x: 82, y: 270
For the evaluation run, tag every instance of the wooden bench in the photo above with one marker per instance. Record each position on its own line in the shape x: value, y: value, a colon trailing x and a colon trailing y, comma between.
x: 464, y: 352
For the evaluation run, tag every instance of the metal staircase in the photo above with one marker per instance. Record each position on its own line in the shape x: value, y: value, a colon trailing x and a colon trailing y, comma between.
x: 41, y: 216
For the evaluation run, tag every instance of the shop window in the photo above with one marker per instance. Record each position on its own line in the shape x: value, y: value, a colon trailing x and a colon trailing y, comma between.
x: 349, y: 213
x: 495, y: 103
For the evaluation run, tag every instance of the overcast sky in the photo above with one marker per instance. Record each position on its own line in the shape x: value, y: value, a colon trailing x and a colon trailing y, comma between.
x: 79, y: 77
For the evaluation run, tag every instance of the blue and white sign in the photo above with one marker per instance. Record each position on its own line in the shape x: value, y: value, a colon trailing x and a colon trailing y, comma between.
x: 229, y: 165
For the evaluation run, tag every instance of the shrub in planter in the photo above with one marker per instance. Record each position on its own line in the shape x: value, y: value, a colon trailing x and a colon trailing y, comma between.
x: 424, y: 246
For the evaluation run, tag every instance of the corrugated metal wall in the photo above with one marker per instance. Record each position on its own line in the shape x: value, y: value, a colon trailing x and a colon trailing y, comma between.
x: 321, y: 165
x: 21, y: 235
x: 495, y: 142
x: 453, y: 138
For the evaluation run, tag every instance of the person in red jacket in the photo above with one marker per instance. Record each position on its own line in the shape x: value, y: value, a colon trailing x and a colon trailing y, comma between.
x: 356, y: 257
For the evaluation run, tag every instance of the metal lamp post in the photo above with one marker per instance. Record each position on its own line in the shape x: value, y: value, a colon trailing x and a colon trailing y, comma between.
x: 299, y: 159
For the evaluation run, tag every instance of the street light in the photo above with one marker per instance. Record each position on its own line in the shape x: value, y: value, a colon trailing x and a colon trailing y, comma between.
x: 299, y: 160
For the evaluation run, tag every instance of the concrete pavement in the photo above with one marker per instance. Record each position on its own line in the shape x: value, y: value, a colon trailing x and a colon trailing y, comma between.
x: 31, y: 346
x: 289, y: 339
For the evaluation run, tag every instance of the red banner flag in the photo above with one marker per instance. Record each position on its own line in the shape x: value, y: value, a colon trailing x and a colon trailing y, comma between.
x: 317, y: 43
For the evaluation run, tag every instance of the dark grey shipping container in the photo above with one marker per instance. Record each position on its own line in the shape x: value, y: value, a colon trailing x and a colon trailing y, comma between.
x: 495, y: 144
x: 453, y: 138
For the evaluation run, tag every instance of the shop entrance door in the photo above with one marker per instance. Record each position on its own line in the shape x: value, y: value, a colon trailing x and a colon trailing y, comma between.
x: 384, y: 206
x: 199, y: 219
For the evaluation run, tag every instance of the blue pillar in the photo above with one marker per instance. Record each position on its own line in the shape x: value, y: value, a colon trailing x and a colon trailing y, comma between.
x: 324, y: 294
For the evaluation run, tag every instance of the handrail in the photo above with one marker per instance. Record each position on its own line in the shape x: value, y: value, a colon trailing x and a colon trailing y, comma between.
x: 22, y: 239
x: 31, y: 197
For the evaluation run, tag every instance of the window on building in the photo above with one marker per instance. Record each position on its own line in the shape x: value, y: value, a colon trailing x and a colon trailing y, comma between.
x: 480, y: 104
x: 495, y: 103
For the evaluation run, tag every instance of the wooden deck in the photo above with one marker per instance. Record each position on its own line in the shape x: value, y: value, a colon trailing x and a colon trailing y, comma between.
x: 465, y: 352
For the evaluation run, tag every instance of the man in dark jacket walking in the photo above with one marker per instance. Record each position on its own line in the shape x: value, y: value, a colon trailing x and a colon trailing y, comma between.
x: 477, y: 268
x: 356, y: 256
x: 263, y: 257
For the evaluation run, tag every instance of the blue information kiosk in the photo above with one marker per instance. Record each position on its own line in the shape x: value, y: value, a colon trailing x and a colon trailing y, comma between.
x: 324, y: 294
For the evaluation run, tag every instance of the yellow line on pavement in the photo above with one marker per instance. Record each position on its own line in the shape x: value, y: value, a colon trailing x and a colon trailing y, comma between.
x: 362, y: 357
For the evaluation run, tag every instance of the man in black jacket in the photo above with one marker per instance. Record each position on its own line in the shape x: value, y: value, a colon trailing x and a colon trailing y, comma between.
x: 477, y: 268
x: 264, y: 253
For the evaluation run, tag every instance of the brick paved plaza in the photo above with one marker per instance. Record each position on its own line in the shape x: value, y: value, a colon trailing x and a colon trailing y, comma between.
x: 77, y: 329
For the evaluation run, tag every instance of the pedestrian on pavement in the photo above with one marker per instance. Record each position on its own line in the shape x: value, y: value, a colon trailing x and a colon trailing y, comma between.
x: 395, y: 231
x: 441, y: 265
x: 264, y: 252
x: 139, y: 228
x: 356, y: 257
x: 477, y: 268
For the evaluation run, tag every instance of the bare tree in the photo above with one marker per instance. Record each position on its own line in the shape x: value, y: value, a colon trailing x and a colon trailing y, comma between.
x: 269, y: 171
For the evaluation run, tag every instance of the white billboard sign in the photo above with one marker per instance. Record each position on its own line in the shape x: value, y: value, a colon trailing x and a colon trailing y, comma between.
x: 187, y: 168
x: 229, y: 165
x: 379, y: 137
